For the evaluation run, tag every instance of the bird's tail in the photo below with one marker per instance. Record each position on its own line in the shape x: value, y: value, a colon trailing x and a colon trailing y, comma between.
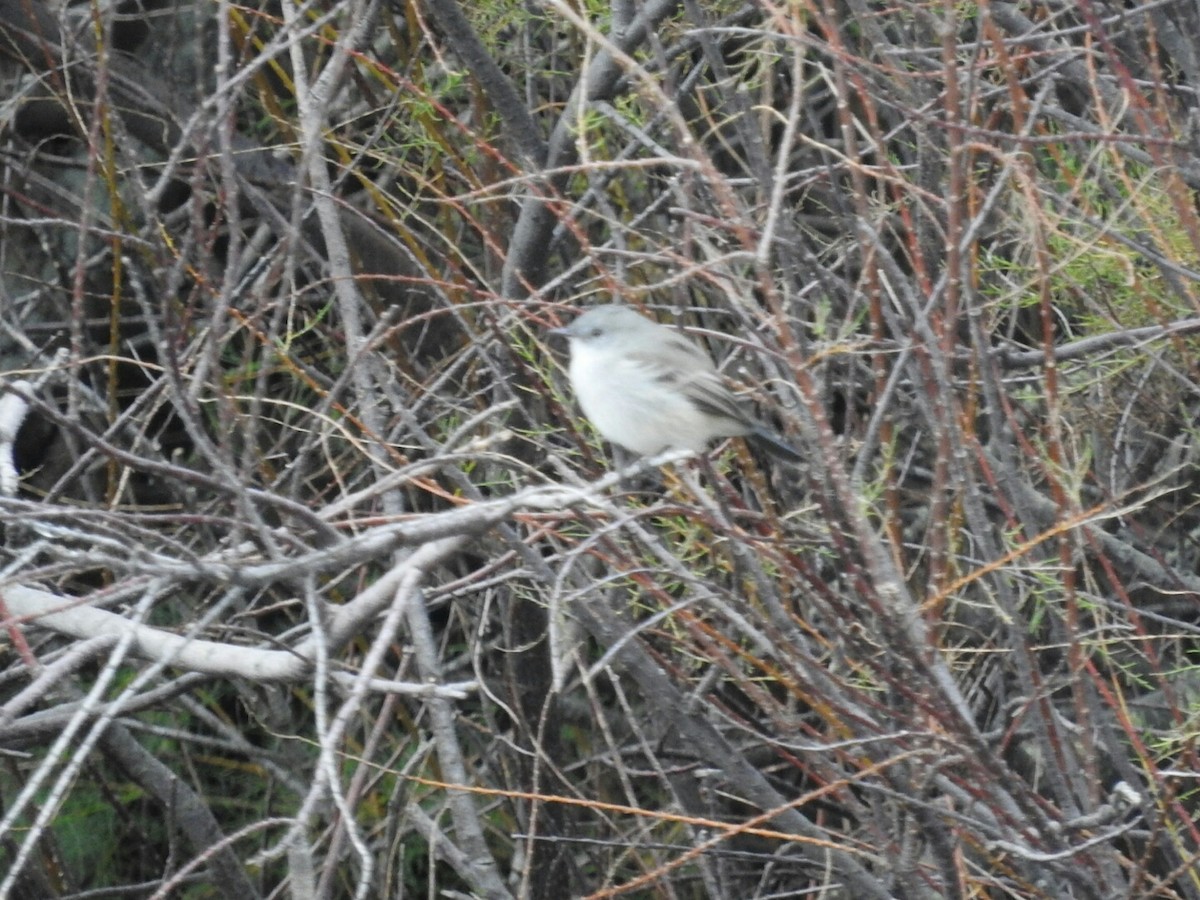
x: 764, y: 437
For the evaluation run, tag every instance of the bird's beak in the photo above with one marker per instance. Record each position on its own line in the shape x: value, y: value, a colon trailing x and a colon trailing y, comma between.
x: 564, y: 330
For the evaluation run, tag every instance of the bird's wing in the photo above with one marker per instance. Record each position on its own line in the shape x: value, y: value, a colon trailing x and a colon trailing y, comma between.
x: 680, y: 363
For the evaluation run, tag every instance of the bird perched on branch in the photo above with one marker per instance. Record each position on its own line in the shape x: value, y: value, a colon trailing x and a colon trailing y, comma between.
x: 648, y: 388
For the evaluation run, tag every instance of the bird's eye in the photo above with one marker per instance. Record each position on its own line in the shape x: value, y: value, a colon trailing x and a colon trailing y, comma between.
x: 596, y: 332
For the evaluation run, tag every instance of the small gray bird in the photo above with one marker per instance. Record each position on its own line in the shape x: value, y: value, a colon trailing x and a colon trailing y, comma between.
x: 648, y: 388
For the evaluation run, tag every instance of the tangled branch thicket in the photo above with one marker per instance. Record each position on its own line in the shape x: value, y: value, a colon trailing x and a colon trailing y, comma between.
x: 314, y: 583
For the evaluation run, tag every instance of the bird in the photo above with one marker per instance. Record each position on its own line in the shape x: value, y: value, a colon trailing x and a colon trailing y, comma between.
x: 648, y: 388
